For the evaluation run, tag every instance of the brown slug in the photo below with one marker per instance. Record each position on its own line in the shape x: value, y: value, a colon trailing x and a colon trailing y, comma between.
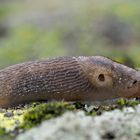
x: 82, y: 78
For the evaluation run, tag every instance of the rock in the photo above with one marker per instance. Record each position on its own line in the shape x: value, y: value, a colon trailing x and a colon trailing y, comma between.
x: 8, y: 114
x: 118, y: 125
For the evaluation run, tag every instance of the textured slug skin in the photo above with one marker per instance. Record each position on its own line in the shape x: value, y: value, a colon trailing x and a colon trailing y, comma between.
x: 67, y: 78
x: 58, y: 79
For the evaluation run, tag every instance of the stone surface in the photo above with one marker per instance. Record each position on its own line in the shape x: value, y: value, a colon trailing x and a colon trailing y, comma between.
x: 8, y: 114
x: 118, y: 125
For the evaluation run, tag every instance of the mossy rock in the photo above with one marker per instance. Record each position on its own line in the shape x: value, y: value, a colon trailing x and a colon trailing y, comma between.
x: 33, y: 114
x: 44, y: 111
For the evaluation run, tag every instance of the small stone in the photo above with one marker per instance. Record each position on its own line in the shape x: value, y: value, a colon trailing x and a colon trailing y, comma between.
x: 19, y: 112
x: 89, y: 108
x: 8, y: 114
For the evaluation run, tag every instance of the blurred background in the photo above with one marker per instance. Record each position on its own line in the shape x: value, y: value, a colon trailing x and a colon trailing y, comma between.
x: 31, y: 29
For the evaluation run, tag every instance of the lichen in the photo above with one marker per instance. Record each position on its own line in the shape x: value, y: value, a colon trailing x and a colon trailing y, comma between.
x: 9, y: 123
x: 115, y: 125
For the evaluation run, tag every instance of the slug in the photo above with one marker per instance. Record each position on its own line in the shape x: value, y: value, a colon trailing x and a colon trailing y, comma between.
x: 93, y: 78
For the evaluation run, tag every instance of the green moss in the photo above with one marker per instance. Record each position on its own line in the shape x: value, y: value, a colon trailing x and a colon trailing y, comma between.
x: 120, y: 104
x: 4, y: 135
x: 79, y: 105
x: 2, y: 131
x: 44, y: 111
x: 98, y: 110
x: 125, y: 102
x: 92, y: 113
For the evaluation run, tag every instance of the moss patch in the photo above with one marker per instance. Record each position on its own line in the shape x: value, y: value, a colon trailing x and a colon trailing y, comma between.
x: 2, y: 131
x: 44, y: 111
x: 127, y: 103
x: 98, y: 110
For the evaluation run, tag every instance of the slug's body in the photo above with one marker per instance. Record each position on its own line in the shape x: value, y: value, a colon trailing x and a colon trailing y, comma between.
x: 69, y: 79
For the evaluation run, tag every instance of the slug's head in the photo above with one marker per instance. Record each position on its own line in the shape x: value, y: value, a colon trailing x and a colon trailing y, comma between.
x: 111, y: 79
